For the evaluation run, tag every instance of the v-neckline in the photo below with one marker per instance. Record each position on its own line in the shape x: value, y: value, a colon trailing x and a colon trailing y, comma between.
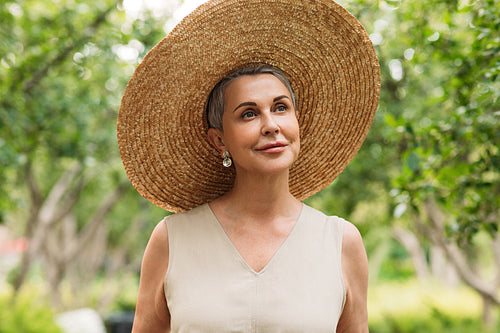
x: 238, y: 254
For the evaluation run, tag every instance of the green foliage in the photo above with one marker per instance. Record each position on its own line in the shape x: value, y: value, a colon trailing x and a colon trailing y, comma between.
x: 437, y: 322
x: 414, y: 307
x: 26, y: 314
x: 63, y: 68
x: 396, y: 265
x: 127, y: 295
x: 120, y: 293
x: 444, y: 111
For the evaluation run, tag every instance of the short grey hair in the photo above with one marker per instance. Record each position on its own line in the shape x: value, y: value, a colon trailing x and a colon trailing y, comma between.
x: 215, y: 105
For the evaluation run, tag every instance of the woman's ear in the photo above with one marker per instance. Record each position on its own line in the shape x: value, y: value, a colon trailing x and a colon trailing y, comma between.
x: 215, y: 136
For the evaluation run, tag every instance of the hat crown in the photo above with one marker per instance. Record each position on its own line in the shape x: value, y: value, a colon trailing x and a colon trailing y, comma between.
x: 318, y: 45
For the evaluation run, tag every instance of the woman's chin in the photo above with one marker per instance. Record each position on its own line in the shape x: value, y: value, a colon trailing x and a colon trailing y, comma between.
x: 271, y: 168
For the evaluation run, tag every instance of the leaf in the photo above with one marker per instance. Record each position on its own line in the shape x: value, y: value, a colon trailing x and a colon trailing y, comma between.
x: 391, y: 120
x: 413, y: 162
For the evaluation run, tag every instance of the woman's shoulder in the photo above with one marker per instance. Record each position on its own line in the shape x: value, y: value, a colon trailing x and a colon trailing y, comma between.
x: 189, y: 224
x: 351, y: 235
x: 159, y: 243
x: 198, y: 212
x: 355, y: 273
x: 319, y: 216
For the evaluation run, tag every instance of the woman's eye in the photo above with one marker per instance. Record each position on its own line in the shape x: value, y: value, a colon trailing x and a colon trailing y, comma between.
x: 248, y: 114
x: 281, y: 108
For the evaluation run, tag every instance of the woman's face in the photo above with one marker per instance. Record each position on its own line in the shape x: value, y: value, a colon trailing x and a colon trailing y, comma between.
x: 261, y: 131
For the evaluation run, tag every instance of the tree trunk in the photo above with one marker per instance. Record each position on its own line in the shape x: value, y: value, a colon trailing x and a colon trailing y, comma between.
x: 440, y: 266
x: 457, y: 258
x: 66, y: 247
x: 412, y: 246
x: 44, y: 215
x: 377, y: 258
x: 52, y: 230
x: 54, y: 275
x: 487, y: 316
x: 35, y: 205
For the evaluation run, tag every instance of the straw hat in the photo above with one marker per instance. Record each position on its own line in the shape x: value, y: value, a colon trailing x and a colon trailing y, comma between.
x: 318, y: 45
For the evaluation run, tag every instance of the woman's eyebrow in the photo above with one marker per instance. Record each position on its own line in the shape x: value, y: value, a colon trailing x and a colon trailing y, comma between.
x: 255, y: 104
x: 280, y: 97
x: 244, y: 104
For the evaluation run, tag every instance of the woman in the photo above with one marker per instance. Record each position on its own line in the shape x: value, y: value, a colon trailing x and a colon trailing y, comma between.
x: 244, y: 254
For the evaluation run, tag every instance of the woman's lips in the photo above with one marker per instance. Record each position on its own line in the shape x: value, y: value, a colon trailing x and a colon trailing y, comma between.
x: 276, y: 147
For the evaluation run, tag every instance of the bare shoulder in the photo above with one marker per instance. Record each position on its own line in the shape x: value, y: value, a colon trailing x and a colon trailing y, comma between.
x: 352, y: 242
x: 354, y: 261
x: 158, y: 242
x: 354, y: 317
x: 157, y: 251
x: 152, y: 314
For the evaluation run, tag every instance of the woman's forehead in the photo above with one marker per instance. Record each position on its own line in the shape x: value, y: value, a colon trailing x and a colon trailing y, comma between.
x: 255, y: 87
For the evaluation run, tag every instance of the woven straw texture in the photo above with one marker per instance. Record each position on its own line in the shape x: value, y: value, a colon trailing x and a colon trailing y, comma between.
x: 321, y: 48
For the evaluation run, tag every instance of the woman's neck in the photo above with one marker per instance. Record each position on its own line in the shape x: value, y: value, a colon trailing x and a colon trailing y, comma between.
x: 261, y: 196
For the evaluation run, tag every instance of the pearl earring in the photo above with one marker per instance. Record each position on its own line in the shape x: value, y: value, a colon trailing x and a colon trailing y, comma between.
x: 227, y: 160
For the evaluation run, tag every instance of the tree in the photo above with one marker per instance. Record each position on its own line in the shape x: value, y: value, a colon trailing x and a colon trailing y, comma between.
x: 442, y: 94
x: 64, y: 66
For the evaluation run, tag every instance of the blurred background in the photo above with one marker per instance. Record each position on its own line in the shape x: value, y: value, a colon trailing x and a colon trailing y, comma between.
x: 424, y: 190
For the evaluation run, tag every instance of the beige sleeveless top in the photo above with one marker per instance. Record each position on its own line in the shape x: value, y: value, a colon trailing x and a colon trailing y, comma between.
x: 210, y: 288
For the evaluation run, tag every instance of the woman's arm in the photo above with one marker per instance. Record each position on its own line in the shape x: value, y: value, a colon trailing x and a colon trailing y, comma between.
x: 354, y: 318
x: 151, y: 314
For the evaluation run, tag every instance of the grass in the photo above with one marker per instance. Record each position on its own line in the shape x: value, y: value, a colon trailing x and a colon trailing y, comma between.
x: 412, y: 296
x: 414, y: 306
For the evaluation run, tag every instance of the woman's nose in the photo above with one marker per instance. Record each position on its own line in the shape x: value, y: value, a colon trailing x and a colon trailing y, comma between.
x: 269, y: 125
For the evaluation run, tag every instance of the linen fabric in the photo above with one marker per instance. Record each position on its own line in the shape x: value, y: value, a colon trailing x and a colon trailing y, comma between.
x: 210, y: 288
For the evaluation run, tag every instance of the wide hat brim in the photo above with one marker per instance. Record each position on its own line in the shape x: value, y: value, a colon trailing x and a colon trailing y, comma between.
x: 323, y: 50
